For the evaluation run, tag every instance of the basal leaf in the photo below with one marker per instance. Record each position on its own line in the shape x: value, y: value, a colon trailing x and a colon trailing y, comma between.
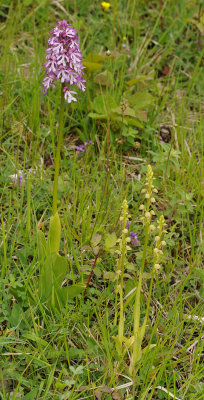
x: 54, y: 234
x: 70, y: 291
x: 42, y: 245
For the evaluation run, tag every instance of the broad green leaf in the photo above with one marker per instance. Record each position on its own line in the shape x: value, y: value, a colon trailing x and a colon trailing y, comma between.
x: 97, y: 116
x: 141, y: 100
x: 94, y: 58
x: 109, y: 275
x: 96, y: 250
x: 102, y: 102
x: 42, y: 245
x: 60, y: 385
x: 129, y: 111
x: 104, y: 78
x: 37, y: 339
x: 59, y: 269
x: 133, y: 122
x: 97, y: 272
x: 92, y: 66
x: 110, y: 241
x: 54, y: 234
x: 32, y: 395
x: 96, y: 238
x: 52, y: 274
x: 16, y: 315
x: 141, y: 115
x: 71, y: 291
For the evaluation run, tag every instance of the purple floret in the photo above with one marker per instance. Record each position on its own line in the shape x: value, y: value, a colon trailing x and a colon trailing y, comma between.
x: 82, y: 148
x: 134, y: 239
x: 133, y: 235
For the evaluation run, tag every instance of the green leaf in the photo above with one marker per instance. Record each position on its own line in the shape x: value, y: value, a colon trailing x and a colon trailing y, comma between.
x: 110, y: 241
x: 109, y: 275
x: 96, y: 238
x: 31, y: 335
x: 71, y: 291
x: 52, y: 274
x: 16, y: 315
x: 133, y: 122
x: 42, y: 245
x: 129, y: 111
x: 97, y: 272
x: 101, y: 103
x: 31, y: 395
x: 141, y: 100
x: 94, y: 58
x: 97, y: 116
x: 92, y: 66
x: 104, y: 78
x: 54, y: 234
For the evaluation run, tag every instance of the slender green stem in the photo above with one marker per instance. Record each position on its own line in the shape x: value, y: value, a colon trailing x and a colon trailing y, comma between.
x: 57, y: 157
x: 149, y: 299
x: 138, y: 291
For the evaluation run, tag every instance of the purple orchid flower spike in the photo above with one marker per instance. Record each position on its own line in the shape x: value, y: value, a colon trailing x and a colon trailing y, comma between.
x: 63, y: 64
x: 63, y: 61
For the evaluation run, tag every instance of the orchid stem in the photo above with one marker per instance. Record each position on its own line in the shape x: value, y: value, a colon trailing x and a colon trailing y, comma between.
x: 57, y: 157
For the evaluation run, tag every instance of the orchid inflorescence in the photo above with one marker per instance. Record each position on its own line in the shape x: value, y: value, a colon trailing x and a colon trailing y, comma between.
x: 64, y: 61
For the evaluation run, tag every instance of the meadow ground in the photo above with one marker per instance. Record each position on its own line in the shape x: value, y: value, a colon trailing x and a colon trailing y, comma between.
x: 116, y: 310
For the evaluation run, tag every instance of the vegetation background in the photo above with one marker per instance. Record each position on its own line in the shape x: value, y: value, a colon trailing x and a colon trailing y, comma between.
x: 143, y: 105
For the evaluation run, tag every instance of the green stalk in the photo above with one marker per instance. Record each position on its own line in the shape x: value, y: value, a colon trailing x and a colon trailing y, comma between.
x: 137, y: 331
x: 57, y: 158
x: 121, y: 322
x: 136, y: 352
